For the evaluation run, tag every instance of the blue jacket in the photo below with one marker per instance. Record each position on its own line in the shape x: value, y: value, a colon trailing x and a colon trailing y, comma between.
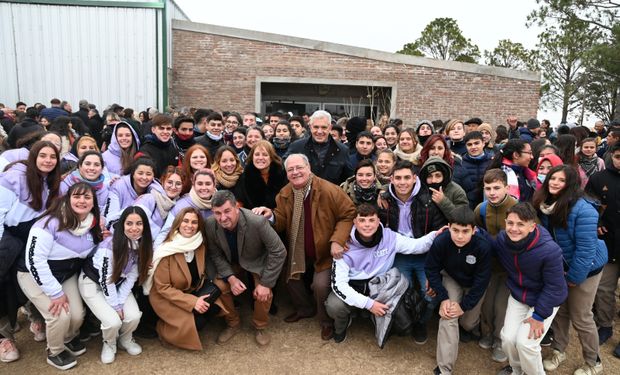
x: 582, y: 251
x: 536, y: 274
x: 526, y: 134
x: 469, y: 266
x: 469, y: 176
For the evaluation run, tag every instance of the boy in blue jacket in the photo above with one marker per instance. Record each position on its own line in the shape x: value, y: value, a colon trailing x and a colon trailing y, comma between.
x: 458, y: 269
x: 537, y: 287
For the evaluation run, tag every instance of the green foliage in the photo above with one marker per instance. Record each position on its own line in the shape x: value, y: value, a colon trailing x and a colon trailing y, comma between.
x: 442, y: 39
x: 509, y: 54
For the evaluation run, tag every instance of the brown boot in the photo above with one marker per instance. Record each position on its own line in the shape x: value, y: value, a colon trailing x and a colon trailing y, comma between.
x: 263, y: 338
x: 227, y: 334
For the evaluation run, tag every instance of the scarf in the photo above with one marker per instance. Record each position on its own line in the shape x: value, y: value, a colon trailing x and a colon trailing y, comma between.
x: 280, y: 143
x: 85, y: 225
x: 203, y: 204
x: 588, y: 164
x: 297, y: 261
x: 365, y: 195
x: 163, y: 203
x: 412, y: 157
x: 374, y: 241
x: 227, y: 180
x: 521, y: 246
x: 178, y: 244
x: 546, y: 208
x: 511, y: 171
x: 214, y: 137
x: 383, y: 179
x: 97, y: 184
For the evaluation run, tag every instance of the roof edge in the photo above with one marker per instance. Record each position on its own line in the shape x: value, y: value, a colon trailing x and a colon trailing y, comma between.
x: 353, y: 51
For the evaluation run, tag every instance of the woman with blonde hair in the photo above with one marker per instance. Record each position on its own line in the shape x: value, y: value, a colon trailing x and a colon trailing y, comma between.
x: 177, y: 282
x: 408, y: 146
x: 488, y: 136
x: 455, y: 131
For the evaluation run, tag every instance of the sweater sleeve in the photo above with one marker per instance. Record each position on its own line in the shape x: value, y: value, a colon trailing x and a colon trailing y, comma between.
x: 586, y: 240
x: 408, y: 245
x: 164, y: 231
x: 342, y: 289
x: 105, y: 272
x: 39, y: 246
x: 127, y: 285
x: 113, y: 209
x: 7, y: 200
x: 481, y: 277
x: 433, y: 268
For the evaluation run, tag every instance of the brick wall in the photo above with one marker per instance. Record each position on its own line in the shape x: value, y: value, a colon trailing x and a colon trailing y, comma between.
x: 219, y: 72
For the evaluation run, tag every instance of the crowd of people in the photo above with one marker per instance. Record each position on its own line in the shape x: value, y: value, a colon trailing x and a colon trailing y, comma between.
x: 152, y: 225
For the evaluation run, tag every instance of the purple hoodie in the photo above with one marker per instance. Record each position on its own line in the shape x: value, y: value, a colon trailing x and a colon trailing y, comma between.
x: 122, y: 194
x: 182, y: 203
x: 364, y: 263
x: 102, y: 193
x: 149, y: 205
x: 10, y: 156
x: 112, y: 156
x: 15, y: 196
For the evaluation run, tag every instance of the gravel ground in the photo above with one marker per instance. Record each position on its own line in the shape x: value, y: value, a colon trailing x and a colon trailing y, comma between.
x: 295, y: 349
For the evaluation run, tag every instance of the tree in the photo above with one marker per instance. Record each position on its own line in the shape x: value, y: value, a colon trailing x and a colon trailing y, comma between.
x: 512, y: 55
x: 443, y: 39
x: 563, y: 54
x: 602, y: 13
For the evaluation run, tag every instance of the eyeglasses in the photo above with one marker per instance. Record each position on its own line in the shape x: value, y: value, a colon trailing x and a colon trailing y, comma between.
x: 232, y: 122
x: 295, y: 169
x: 526, y: 152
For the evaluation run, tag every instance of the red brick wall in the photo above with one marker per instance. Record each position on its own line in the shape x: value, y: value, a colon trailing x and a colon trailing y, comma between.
x: 220, y: 72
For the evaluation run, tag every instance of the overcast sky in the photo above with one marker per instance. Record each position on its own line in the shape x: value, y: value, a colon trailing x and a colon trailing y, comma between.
x: 384, y: 25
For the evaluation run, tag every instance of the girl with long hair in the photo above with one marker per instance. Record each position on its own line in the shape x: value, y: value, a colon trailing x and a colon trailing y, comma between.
x: 227, y: 168
x: 89, y: 170
x: 514, y: 159
x: 108, y: 277
x: 572, y: 222
x: 124, y: 144
x: 57, y: 245
x: 196, y: 158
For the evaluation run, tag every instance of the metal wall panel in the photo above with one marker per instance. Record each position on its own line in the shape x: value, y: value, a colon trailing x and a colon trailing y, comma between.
x: 102, y: 54
x: 9, y: 89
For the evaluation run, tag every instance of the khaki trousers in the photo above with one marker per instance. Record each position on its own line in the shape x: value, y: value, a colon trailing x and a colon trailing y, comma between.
x: 577, y: 309
x: 523, y: 353
x: 605, y: 301
x: 448, y: 334
x: 493, y: 310
x: 112, y: 327
x: 260, y: 315
x: 63, y: 327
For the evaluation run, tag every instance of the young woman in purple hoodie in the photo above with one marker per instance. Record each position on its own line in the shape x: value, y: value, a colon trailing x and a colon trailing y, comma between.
x: 27, y: 189
x: 89, y: 170
x: 57, y: 245
x: 123, y: 147
x: 124, y: 191
x: 108, y: 277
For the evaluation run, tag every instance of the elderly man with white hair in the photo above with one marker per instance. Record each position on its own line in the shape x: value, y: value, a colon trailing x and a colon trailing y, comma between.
x: 329, y: 159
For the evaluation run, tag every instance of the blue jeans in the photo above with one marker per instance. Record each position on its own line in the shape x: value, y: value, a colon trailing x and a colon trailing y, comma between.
x: 408, y: 265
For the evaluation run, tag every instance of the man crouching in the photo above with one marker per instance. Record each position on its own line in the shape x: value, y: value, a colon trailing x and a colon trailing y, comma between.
x: 371, y: 253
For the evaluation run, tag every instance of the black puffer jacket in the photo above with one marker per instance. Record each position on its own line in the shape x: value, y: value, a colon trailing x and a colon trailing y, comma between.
x: 335, y: 168
x: 425, y: 214
x: 163, y: 154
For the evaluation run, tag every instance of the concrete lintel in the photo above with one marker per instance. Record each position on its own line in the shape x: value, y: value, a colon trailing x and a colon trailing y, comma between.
x: 353, y: 51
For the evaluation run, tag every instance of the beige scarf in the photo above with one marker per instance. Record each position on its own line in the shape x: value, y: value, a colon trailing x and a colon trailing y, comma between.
x: 547, y: 209
x: 203, y: 204
x: 178, y: 244
x: 227, y: 180
x: 297, y: 260
x: 85, y: 225
x: 413, y: 157
x: 164, y: 204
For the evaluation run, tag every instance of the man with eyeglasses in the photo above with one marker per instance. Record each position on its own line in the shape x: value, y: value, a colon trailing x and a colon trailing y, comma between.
x: 316, y: 217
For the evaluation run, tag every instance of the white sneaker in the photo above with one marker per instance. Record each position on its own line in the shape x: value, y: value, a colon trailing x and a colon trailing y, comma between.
x: 590, y: 370
x: 108, y: 353
x: 38, y: 329
x: 553, y: 362
x: 130, y: 346
x: 8, y: 351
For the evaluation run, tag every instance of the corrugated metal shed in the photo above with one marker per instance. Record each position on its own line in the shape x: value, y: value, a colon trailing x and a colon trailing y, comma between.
x: 102, y: 51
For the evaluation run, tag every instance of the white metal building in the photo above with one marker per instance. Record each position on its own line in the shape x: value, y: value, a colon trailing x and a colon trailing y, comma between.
x: 102, y: 51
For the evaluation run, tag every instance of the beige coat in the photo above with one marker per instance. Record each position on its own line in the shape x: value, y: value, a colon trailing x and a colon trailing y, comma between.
x: 173, y: 302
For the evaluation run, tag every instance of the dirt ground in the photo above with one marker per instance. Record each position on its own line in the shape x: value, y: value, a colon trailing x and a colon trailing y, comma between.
x: 296, y: 348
